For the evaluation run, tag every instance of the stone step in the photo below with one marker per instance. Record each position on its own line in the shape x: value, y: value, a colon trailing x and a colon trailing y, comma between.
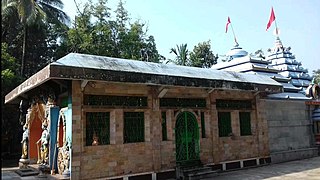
x: 202, y: 175
x: 196, y: 170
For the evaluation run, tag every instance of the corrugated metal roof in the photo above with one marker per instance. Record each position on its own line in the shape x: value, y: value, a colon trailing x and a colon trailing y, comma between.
x: 117, y: 64
x: 287, y: 95
x: 76, y: 66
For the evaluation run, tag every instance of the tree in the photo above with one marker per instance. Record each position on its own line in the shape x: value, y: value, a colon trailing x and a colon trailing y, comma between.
x: 202, y: 56
x: 9, y: 113
x: 109, y: 37
x: 316, y: 74
x: 122, y: 16
x: 181, y: 53
x: 150, y: 52
x: 33, y: 12
x: 9, y: 66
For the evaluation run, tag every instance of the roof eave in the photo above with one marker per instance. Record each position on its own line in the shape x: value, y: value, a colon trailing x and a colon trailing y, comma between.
x: 80, y: 73
x: 35, y: 80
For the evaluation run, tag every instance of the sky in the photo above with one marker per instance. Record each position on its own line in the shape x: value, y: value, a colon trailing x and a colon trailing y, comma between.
x: 176, y: 22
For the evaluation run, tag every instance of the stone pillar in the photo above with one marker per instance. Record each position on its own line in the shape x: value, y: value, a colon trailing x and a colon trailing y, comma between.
x: 77, y: 130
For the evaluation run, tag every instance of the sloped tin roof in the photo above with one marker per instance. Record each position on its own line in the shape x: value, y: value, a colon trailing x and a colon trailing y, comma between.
x: 76, y: 66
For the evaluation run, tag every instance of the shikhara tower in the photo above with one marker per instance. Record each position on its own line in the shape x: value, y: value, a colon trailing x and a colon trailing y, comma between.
x: 281, y: 58
x: 280, y: 65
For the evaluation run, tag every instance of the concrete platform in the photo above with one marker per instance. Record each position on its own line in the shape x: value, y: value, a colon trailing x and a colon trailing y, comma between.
x: 306, y: 169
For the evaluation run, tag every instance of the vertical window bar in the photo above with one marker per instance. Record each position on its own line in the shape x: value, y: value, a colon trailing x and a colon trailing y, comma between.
x: 245, y: 123
x: 98, y: 125
x: 133, y: 127
x: 203, y: 126
x: 224, y: 124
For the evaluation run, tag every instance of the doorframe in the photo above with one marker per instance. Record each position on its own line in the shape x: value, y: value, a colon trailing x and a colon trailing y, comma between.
x: 196, y: 120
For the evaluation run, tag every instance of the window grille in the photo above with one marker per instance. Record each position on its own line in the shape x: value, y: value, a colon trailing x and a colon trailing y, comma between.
x: 233, y: 104
x: 245, y: 123
x: 122, y: 101
x: 224, y: 124
x: 164, y: 126
x: 98, y: 125
x: 183, y: 102
x: 133, y: 127
x: 203, y: 126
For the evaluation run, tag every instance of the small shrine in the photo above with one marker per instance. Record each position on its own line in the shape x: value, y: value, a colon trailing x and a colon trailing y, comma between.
x: 313, y: 91
x: 45, y: 141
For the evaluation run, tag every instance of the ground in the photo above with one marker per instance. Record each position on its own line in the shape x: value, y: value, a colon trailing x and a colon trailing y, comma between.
x: 306, y: 169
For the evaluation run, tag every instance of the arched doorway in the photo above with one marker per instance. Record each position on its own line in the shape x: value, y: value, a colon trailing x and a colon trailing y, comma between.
x: 35, y: 118
x: 187, y: 138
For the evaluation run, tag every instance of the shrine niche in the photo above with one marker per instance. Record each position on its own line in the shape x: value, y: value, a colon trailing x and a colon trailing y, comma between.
x: 34, y: 119
x: 63, y: 159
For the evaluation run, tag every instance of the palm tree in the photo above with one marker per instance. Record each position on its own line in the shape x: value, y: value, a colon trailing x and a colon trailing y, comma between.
x: 181, y: 53
x: 32, y: 12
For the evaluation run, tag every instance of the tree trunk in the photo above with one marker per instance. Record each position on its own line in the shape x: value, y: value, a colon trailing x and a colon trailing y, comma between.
x: 23, y: 49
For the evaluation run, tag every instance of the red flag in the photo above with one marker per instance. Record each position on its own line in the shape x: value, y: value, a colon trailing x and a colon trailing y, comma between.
x: 228, y: 24
x: 272, y: 18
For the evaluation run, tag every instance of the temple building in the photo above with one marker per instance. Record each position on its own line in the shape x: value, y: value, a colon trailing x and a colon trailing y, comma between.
x: 293, y: 118
x: 100, y: 117
x: 280, y: 65
x: 121, y: 119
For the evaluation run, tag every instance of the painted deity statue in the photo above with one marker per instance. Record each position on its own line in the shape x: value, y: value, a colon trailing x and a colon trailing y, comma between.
x: 45, y: 136
x: 24, y: 142
x: 95, y: 140
x: 63, y: 159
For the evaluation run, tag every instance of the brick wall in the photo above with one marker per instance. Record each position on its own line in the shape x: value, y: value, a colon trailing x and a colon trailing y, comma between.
x: 155, y: 155
x: 240, y: 147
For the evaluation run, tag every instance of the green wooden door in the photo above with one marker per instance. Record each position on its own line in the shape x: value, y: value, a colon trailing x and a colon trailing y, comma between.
x: 187, y: 138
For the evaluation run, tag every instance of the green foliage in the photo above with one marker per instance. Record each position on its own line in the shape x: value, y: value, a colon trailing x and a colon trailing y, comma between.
x: 316, y: 74
x: 202, y: 56
x: 182, y: 54
x: 9, y: 66
x: 94, y: 32
x: 30, y: 14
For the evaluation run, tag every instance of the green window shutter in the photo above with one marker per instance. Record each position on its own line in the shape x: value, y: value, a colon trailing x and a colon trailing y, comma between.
x: 164, y: 126
x: 203, y: 126
x: 133, y: 127
x: 224, y: 124
x: 245, y: 123
x: 98, y: 124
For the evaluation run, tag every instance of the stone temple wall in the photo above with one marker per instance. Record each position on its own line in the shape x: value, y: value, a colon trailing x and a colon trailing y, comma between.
x: 290, y: 130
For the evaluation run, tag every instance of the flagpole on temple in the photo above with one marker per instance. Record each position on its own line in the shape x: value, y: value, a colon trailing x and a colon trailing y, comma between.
x: 234, y: 36
x: 275, y: 23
